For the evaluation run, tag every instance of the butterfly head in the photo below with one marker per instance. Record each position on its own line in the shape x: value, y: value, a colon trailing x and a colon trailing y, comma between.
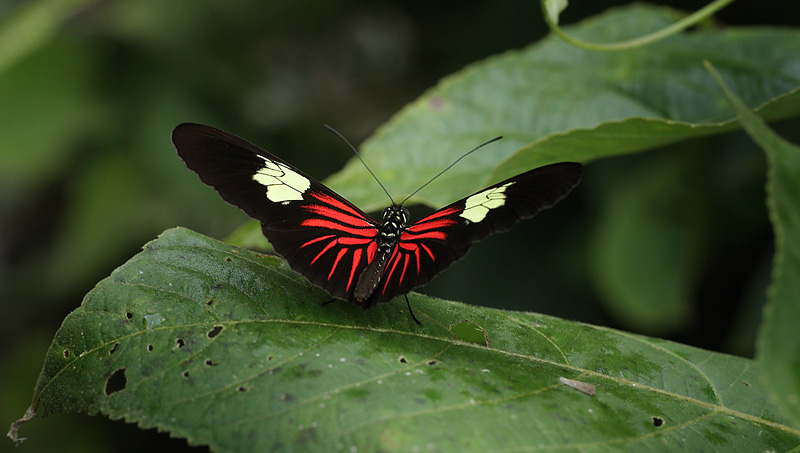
x: 396, y: 215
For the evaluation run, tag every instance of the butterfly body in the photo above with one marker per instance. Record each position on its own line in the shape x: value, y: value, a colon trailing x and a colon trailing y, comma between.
x: 336, y: 245
x: 394, y: 222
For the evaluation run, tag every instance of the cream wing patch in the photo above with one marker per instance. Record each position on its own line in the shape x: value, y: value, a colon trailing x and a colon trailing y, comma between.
x: 479, y: 205
x: 282, y: 183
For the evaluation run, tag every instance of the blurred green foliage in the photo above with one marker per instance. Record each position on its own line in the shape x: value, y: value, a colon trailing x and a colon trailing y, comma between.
x: 89, y: 92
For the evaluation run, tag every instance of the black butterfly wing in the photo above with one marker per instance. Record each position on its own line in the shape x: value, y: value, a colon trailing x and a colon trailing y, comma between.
x: 429, y: 246
x: 320, y: 234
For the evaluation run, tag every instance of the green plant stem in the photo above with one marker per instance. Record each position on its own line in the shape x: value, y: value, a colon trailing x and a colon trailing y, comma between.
x: 678, y: 26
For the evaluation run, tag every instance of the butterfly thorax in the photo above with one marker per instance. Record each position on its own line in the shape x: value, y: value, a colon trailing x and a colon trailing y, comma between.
x: 393, y: 223
x: 395, y: 219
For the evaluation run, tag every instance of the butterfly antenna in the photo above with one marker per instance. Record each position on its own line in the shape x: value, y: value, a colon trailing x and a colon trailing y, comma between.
x: 449, y: 167
x: 362, y: 161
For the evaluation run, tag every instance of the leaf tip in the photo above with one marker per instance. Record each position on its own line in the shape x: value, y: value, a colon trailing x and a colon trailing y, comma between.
x: 13, y: 432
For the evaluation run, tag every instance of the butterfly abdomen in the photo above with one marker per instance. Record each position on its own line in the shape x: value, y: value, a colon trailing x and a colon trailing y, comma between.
x: 371, y: 277
x: 392, y: 226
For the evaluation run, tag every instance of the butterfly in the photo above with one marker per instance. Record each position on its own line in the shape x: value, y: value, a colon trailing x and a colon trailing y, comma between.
x: 338, y: 247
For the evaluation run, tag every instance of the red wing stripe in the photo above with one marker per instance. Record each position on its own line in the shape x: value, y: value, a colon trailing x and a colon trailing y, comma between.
x: 405, y: 266
x: 388, y: 276
x: 406, y: 236
x: 339, y: 216
x: 338, y: 204
x: 331, y: 225
x: 371, y: 249
x: 354, y: 241
x: 425, y: 247
x: 442, y: 213
x: 435, y: 221
x: 336, y: 262
x: 356, y: 260
x: 327, y: 247
x: 413, y: 248
x: 321, y: 238
x: 431, y: 225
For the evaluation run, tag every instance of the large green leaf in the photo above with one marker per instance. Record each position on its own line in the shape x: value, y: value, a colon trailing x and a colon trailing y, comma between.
x: 225, y: 347
x: 554, y: 102
x: 779, y: 344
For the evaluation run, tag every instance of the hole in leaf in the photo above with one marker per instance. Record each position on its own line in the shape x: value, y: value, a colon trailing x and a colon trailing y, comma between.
x: 228, y: 259
x: 116, y: 382
x: 270, y: 357
x: 243, y: 389
x: 129, y: 315
x: 66, y: 353
x: 149, y: 347
x: 114, y: 349
x: 658, y: 421
x: 210, y: 301
x: 210, y: 362
x: 402, y: 359
x: 432, y: 362
x: 214, y: 332
x: 185, y: 373
x: 470, y: 332
x: 179, y: 343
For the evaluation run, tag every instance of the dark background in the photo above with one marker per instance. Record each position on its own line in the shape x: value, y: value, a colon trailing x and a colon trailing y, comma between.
x: 88, y: 174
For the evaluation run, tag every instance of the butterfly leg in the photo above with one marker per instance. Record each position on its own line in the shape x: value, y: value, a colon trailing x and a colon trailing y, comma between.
x: 411, y: 311
x: 327, y: 302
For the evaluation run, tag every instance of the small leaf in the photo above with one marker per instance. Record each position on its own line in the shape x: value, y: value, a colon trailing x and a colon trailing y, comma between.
x: 224, y: 347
